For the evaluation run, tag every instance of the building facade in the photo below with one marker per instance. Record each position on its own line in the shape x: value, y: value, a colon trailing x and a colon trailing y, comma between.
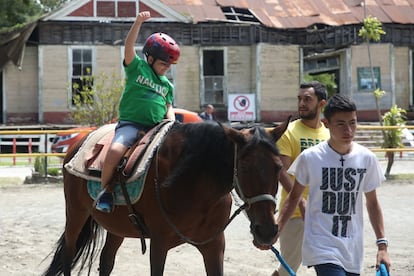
x: 226, y: 48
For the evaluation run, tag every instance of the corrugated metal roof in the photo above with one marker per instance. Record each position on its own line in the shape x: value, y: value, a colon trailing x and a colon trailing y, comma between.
x: 291, y: 14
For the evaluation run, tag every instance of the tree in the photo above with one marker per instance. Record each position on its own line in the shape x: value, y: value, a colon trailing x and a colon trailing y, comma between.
x: 16, y: 13
x: 393, y: 139
x: 326, y: 79
x: 372, y: 31
x: 51, y: 5
x: 96, y: 100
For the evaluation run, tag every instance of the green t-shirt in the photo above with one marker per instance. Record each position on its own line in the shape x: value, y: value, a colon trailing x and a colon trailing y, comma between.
x: 145, y: 96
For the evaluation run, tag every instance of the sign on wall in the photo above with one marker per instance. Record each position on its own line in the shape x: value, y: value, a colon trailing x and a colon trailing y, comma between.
x: 365, y: 78
x: 242, y: 107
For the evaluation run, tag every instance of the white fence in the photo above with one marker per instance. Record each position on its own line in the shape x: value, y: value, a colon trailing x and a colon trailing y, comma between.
x: 28, y: 143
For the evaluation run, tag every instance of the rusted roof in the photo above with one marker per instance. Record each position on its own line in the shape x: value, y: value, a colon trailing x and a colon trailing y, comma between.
x: 291, y: 14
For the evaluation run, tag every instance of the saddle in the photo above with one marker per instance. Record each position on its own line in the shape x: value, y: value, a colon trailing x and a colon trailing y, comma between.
x: 96, y: 158
x: 88, y: 161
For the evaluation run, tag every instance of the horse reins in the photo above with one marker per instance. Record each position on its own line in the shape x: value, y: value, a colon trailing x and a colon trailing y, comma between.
x: 247, y: 203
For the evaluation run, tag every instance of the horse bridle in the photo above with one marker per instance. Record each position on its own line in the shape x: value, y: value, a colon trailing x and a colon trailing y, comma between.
x: 236, y: 184
x: 248, y: 201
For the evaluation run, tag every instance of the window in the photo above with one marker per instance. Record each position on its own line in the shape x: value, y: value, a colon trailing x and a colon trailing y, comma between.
x: 116, y: 8
x: 213, y: 75
x: 365, y: 78
x: 81, y: 77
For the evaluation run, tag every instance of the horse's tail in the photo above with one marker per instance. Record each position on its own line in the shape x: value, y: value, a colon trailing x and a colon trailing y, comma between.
x: 89, y: 239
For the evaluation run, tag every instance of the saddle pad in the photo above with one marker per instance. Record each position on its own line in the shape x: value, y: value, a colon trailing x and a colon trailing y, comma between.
x: 76, y: 165
x: 134, y: 190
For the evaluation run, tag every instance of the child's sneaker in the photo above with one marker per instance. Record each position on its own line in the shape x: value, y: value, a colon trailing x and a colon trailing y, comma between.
x: 105, y: 202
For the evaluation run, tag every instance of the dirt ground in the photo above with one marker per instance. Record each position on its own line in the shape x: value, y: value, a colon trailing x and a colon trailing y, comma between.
x: 32, y: 219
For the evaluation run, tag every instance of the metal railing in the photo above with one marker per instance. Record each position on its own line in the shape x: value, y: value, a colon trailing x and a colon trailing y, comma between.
x: 44, y: 143
x: 27, y: 140
x: 381, y: 128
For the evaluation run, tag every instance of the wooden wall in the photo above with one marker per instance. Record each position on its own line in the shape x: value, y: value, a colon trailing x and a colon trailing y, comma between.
x: 21, y: 89
x: 278, y: 78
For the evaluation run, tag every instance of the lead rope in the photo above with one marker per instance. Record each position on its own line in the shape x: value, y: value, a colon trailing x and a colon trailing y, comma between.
x: 283, y: 262
x: 172, y: 225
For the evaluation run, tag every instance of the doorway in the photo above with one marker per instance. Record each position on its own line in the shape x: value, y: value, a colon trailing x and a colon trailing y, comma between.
x: 330, y: 68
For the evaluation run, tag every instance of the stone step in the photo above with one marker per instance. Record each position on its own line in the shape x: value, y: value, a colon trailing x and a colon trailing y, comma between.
x: 370, y: 138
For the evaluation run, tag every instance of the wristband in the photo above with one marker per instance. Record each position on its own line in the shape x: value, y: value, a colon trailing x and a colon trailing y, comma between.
x: 382, y: 241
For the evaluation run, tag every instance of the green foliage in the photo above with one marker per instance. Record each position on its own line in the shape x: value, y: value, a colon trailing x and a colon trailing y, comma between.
x: 39, y: 165
x: 326, y: 79
x: 96, y: 100
x: 378, y: 94
x: 394, y: 117
x: 372, y: 29
x: 17, y: 13
x: 51, y: 5
x: 54, y: 171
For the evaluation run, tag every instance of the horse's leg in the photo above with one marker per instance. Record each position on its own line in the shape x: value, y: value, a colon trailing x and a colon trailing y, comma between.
x: 77, y: 215
x: 158, y: 255
x: 107, y: 259
x: 213, y: 255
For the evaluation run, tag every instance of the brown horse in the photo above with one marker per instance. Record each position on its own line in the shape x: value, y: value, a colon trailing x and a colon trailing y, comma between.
x: 186, y: 198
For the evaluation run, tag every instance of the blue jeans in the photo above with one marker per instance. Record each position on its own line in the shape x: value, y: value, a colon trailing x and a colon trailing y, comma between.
x: 126, y: 133
x: 332, y: 270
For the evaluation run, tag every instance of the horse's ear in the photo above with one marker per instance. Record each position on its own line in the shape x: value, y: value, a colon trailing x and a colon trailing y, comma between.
x: 233, y: 134
x: 278, y: 131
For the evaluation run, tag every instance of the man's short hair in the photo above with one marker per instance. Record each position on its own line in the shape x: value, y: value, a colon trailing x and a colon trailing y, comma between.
x: 338, y: 103
x: 319, y: 88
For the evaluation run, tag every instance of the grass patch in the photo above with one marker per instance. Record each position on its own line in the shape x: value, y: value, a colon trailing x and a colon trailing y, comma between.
x: 52, y: 161
x: 402, y: 176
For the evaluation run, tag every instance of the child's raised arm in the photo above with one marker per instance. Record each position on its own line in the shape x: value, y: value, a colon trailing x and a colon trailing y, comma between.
x: 133, y: 35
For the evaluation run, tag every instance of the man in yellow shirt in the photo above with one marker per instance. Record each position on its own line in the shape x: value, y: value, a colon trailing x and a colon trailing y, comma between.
x: 301, y: 134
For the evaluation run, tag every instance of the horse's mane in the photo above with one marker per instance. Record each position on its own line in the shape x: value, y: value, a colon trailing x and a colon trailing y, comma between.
x: 206, y: 149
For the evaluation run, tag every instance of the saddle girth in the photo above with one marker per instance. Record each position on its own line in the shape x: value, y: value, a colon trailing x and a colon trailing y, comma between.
x: 124, y: 171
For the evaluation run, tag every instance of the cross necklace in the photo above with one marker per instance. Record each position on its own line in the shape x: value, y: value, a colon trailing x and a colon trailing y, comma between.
x: 342, y: 160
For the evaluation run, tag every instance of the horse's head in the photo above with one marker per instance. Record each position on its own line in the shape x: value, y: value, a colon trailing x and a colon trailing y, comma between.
x: 256, y: 174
